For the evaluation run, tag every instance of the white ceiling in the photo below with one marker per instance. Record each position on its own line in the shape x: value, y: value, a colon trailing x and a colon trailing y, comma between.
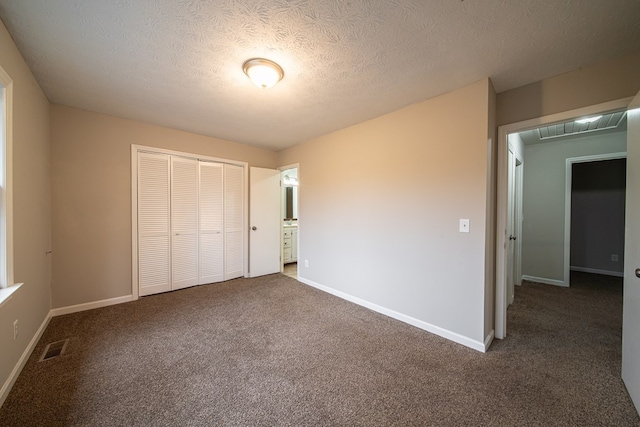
x: 178, y: 63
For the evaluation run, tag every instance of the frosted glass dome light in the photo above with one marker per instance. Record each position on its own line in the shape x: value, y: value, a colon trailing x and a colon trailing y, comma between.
x: 262, y: 72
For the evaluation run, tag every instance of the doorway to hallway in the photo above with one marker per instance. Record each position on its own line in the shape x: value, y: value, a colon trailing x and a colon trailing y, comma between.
x: 542, y: 228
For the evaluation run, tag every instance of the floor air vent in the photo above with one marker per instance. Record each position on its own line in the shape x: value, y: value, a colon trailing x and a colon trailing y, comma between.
x: 54, y: 349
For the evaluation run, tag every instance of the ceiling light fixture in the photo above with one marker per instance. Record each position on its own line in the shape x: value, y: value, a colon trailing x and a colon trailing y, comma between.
x: 289, y: 180
x: 588, y: 120
x: 262, y: 72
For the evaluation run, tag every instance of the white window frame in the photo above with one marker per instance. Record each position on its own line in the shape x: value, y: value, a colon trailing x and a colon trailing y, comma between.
x: 6, y: 186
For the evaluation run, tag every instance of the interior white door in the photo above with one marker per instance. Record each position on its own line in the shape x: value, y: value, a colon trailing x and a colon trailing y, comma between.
x: 631, y: 309
x: 211, y: 221
x: 511, y: 221
x: 184, y: 222
x: 517, y: 252
x: 154, y: 233
x: 265, y: 221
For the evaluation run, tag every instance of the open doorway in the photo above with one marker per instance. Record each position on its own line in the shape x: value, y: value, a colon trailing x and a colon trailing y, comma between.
x: 547, y: 189
x: 550, y: 253
x: 289, y: 249
x: 597, y: 215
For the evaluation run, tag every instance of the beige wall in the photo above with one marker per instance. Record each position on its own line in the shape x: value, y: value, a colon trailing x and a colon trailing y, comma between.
x: 490, y: 247
x: 606, y: 81
x: 31, y: 209
x: 379, y: 206
x: 91, y: 190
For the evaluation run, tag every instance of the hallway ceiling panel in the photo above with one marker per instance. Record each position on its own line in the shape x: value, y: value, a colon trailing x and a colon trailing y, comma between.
x: 606, y: 123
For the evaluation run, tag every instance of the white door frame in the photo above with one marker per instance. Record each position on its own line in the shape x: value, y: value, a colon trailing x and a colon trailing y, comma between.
x: 501, y: 229
x: 134, y: 205
x: 511, y: 173
x: 567, y: 203
x: 631, y: 304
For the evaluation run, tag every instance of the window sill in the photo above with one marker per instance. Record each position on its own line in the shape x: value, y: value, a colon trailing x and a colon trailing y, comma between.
x: 5, y: 293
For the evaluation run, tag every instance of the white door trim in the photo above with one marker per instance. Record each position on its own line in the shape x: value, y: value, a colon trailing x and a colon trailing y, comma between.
x: 6, y: 180
x: 567, y: 203
x: 135, y: 149
x: 631, y: 304
x: 511, y: 181
x: 501, y: 237
x: 291, y: 166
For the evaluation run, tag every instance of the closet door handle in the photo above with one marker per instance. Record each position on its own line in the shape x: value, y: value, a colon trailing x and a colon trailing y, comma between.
x: 254, y: 228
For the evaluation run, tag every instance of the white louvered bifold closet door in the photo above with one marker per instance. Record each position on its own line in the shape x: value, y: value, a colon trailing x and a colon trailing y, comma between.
x: 154, y: 238
x: 184, y: 222
x: 233, y: 223
x: 211, y: 223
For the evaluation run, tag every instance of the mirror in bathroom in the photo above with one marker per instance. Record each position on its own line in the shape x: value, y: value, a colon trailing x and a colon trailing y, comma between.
x: 288, y: 203
x: 290, y: 194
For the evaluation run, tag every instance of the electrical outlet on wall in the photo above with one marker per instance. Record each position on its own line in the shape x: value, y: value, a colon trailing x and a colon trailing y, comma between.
x: 614, y: 257
x: 306, y: 263
x: 15, y: 329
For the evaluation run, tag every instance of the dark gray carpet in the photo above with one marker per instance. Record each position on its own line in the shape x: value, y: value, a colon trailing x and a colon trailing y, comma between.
x: 272, y: 351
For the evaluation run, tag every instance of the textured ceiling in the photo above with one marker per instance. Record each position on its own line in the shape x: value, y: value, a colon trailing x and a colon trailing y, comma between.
x: 178, y: 63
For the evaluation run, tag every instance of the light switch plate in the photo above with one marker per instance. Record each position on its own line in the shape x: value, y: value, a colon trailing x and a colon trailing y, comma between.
x: 464, y: 225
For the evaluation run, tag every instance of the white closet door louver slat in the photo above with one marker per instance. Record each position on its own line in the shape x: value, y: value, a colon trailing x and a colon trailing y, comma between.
x: 154, y: 274
x: 211, y: 258
x: 154, y: 264
x: 211, y: 223
x: 185, y: 263
x: 184, y: 222
x: 233, y: 223
x: 190, y: 222
x: 184, y: 195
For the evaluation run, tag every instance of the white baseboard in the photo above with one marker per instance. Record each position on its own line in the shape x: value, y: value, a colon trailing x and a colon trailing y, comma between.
x: 6, y: 387
x: 91, y: 305
x: 460, y: 339
x: 489, y: 340
x: 597, y: 271
x: 546, y: 281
